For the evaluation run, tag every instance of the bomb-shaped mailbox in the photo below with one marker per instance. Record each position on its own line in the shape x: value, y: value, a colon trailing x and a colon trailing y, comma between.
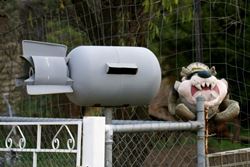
x: 93, y: 75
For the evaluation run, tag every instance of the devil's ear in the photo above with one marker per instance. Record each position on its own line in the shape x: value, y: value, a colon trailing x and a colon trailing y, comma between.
x: 213, y: 71
x: 185, y: 71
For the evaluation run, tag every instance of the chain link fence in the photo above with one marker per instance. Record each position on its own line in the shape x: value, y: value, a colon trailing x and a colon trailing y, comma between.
x: 97, y: 25
x: 149, y: 148
x: 159, y: 149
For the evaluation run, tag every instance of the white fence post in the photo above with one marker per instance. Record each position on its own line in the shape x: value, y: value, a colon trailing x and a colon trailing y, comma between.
x: 108, y: 137
x: 79, y: 144
x: 93, y: 142
x: 38, y: 144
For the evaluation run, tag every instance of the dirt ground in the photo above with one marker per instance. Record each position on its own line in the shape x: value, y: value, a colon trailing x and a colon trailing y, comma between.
x: 176, y: 157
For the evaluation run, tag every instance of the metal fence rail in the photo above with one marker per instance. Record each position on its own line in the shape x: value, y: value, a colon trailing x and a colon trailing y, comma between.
x: 134, y: 143
x: 237, y: 158
x: 27, y: 141
x: 52, y: 142
x: 153, y: 144
x: 137, y: 143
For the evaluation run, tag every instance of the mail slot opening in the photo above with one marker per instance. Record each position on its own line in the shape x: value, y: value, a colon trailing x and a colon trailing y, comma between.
x: 121, y: 68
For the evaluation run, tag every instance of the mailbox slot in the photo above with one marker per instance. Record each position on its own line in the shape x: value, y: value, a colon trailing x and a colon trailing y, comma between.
x: 122, y: 68
x: 93, y: 75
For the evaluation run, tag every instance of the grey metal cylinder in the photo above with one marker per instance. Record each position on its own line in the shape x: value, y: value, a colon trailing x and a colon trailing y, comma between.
x: 113, y: 76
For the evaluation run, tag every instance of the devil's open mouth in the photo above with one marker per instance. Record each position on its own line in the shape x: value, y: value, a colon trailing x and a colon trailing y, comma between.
x: 204, y: 87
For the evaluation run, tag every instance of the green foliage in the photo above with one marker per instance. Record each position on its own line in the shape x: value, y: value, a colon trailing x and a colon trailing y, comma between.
x: 170, y: 26
x: 10, y: 9
x: 58, y: 32
x: 165, y: 26
x: 166, y: 12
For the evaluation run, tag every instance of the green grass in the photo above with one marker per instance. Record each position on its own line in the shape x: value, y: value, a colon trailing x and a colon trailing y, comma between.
x: 223, y: 145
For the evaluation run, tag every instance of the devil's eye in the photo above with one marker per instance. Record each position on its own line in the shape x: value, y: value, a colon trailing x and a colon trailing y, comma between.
x: 204, y: 74
x: 190, y: 75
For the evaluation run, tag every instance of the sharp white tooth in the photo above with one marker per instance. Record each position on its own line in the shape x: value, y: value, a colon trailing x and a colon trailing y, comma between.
x: 207, y: 84
x: 198, y: 86
x: 193, y: 82
x: 212, y: 85
x: 203, y: 84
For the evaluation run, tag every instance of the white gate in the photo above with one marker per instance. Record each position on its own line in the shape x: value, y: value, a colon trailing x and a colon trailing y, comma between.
x: 89, y: 139
x: 19, y: 139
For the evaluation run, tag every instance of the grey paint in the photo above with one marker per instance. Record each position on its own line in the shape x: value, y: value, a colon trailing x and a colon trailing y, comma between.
x: 36, y: 48
x: 50, y: 72
x: 93, y: 86
x: 94, y: 75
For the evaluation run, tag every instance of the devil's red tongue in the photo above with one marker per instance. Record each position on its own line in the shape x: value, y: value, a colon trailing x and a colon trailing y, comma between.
x: 205, y: 88
x: 194, y: 89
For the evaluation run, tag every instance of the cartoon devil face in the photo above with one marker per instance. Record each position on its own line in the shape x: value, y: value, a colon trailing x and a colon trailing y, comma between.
x: 199, y: 80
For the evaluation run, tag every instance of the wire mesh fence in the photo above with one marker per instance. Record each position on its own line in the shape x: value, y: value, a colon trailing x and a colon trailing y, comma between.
x: 165, y: 28
x: 154, y: 149
x: 146, y: 148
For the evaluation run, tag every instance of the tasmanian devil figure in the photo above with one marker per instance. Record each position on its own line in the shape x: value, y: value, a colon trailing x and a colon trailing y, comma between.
x: 177, y: 100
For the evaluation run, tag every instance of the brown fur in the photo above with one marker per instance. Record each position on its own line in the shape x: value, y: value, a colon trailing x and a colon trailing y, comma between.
x: 159, y: 109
